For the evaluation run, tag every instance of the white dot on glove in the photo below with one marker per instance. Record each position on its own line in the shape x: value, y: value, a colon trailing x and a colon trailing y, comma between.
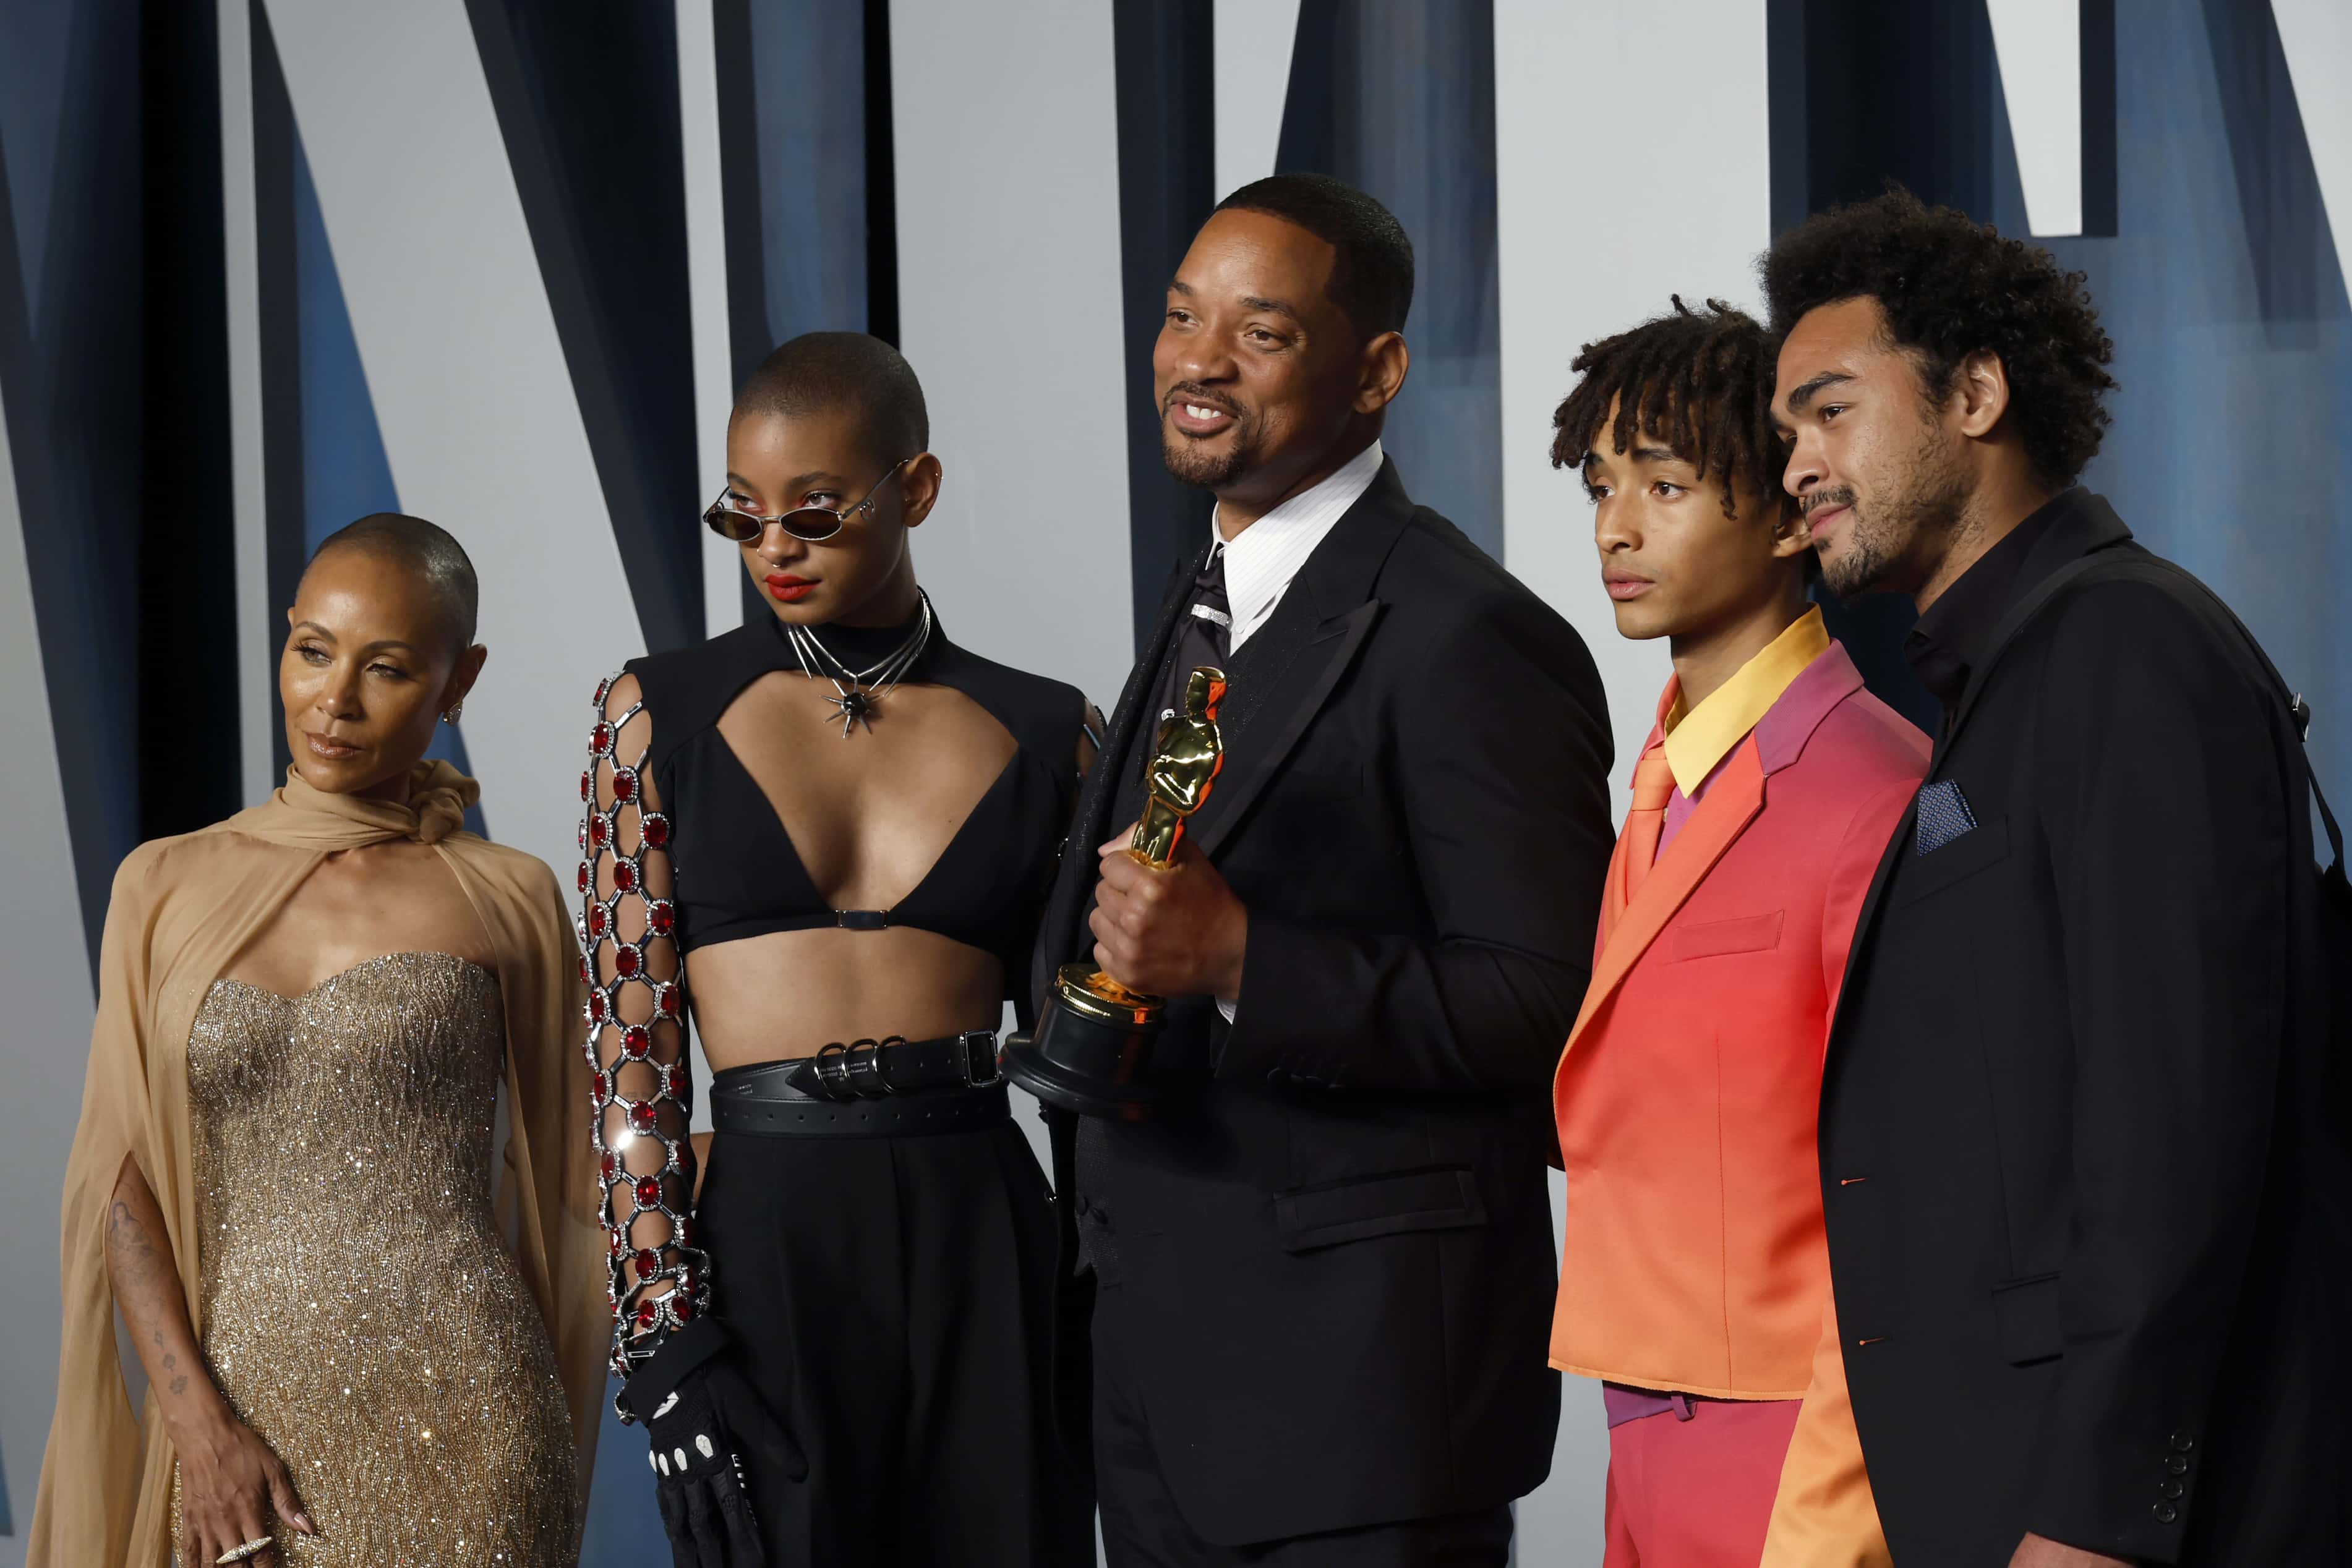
x: 680, y: 1455
x: 704, y: 1444
x: 662, y: 1463
x: 653, y: 1461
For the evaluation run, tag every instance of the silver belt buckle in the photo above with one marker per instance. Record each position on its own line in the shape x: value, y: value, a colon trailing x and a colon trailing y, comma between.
x: 981, y: 1070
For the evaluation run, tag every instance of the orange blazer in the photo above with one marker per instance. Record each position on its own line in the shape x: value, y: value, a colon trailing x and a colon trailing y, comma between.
x: 1693, y: 1256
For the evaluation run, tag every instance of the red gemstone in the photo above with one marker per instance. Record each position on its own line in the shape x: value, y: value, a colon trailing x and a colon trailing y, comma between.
x: 597, y: 920
x: 600, y: 1089
x: 600, y: 740
x: 672, y: 1002
x: 598, y: 831
x: 610, y: 1166
x: 641, y: 1117
x: 624, y: 876
x: 648, y: 1192
x: 587, y: 783
x: 657, y: 829
x: 587, y: 876
x: 660, y: 917
x: 619, y: 1247
x: 596, y: 1007
x: 604, y: 689
x: 580, y: 835
x: 649, y: 1263
x: 624, y: 784
x: 675, y: 1081
x: 647, y: 1313
x: 635, y: 1040
x: 681, y: 1306
x: 627, y: 961
x: 586, y: 979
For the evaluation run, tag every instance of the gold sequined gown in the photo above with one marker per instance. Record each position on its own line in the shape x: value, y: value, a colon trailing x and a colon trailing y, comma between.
x: 361, y: 1312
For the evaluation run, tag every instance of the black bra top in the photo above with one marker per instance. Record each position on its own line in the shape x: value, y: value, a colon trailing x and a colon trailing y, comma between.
x: 737, y: 872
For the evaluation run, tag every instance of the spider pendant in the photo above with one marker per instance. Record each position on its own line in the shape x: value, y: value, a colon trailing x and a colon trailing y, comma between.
x: 856, y: 708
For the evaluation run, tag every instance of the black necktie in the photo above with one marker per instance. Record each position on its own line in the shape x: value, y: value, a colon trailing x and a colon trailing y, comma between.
x: 1203, y: 635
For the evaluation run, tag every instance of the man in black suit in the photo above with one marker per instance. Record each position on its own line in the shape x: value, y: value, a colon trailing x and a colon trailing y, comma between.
x: 2083, y: 1181
x: 1322, y: 1271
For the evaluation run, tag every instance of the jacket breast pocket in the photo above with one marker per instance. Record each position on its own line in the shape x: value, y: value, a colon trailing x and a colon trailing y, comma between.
x: 1747, y: 933
x: 1986, y: 844
x: 1443, y: 1198
x: 2025, y: 1316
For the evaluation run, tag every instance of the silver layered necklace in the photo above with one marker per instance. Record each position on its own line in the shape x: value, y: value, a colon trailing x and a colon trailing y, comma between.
x: 860, y: 692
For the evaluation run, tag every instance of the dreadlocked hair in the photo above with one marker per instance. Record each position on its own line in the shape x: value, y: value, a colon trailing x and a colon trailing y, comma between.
x: 1701, y: 380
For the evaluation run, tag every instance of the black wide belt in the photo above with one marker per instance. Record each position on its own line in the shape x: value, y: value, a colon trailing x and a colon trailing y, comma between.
x: 867, y: 1089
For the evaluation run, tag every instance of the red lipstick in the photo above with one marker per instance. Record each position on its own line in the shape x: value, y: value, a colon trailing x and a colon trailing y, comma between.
x: 786, y: 589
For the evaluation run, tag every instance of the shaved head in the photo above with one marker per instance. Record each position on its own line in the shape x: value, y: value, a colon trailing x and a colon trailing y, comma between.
x: 427, y: 549
x: 820, y: 372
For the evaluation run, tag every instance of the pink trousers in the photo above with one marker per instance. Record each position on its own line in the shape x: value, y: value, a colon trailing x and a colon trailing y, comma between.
x: 1696, y: 1493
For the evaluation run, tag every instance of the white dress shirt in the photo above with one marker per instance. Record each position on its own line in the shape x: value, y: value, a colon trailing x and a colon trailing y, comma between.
x: 1262, y: 559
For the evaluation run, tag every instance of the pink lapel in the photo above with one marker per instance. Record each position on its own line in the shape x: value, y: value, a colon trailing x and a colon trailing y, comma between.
x: 1730, y: 803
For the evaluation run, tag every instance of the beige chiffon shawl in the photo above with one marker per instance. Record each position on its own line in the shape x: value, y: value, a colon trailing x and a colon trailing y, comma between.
x: 182, y: 909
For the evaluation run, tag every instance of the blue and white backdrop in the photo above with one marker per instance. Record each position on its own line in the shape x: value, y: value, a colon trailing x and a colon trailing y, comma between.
x: 267, y: 264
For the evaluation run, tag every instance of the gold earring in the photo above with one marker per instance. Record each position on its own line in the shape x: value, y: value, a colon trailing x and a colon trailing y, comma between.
x: 456, y: 711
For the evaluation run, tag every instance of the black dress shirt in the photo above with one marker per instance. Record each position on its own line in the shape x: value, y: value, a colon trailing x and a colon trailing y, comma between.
x: 1949, y: 639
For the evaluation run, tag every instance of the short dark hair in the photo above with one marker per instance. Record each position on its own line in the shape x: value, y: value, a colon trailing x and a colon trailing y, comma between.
x: 1950, y: 287
x: 425, y: 548
x: 1699, y: 380
x: 1371, y: 276
x: 820, y: 372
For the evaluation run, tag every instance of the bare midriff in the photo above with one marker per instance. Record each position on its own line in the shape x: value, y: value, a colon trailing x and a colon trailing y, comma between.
x: 789, y: 993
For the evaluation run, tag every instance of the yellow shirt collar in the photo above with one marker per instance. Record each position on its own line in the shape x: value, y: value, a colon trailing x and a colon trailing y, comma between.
x: 1698, y: 740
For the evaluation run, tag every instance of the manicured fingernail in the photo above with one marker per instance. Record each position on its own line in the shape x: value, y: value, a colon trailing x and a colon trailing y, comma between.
x: 302, y: 1523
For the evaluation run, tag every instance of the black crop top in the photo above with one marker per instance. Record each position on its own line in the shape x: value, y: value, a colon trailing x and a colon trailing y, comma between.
x: 737, y: 872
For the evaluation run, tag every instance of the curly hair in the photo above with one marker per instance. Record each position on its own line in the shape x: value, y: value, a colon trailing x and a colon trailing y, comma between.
x: 1699, y: 381
x: 1952, y: 288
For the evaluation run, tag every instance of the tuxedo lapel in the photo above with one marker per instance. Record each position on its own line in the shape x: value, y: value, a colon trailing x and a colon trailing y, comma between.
x: 1290, y: 670
x: 1731, y: 802
x: 1282, y: 676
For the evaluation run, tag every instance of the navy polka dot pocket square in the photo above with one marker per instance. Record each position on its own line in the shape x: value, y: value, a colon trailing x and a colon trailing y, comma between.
x: 1944, y: 815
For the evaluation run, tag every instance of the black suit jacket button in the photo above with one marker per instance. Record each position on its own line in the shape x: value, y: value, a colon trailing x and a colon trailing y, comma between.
x: 2182, y: 1442
x: 2176, y: 1464
x: 2166, y: 1513
x: 2171, y: 1490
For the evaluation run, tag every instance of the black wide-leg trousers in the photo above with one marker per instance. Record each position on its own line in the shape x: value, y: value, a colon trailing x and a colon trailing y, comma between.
x: 890, y: 1296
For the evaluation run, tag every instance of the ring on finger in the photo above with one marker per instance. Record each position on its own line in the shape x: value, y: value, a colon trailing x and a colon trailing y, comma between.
x: 260, y: 1544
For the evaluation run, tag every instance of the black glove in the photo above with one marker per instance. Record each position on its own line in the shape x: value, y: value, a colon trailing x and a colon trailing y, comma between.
x: 708, y: 1425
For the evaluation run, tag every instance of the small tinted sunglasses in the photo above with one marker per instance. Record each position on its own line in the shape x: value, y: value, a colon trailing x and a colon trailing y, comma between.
x: 737, y: 526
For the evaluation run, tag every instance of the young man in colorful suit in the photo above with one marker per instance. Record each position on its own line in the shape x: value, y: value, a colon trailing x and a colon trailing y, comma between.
x: 1695, y: 1276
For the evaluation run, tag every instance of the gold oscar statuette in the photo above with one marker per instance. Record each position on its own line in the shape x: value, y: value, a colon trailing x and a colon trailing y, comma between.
x: 1088, y: 1051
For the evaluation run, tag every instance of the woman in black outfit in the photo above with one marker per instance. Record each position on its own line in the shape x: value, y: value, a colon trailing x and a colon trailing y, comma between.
x: 848, y: 825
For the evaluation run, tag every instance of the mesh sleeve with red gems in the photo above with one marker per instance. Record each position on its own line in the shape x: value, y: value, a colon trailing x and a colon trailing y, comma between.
x: 641, y: 1093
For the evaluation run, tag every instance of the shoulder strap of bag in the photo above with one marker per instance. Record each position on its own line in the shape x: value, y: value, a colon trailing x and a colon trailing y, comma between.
x: 2113, y: 566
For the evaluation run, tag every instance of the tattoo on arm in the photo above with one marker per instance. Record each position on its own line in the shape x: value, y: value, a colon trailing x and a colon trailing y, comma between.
x: 127, y: 1239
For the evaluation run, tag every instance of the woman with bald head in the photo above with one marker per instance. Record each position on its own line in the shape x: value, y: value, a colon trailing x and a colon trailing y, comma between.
x: 282, y: 1177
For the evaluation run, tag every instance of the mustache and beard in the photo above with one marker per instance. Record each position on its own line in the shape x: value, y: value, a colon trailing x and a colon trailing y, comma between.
x: 1189, y: 460
x: 1883, y: 538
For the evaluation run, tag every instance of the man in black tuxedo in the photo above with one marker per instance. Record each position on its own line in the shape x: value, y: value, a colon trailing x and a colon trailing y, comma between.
x: 2081, y: 1151
x: 1322, y: 1271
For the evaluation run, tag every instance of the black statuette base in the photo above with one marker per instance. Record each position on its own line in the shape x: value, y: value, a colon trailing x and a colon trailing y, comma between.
x: 1091, y: 1066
